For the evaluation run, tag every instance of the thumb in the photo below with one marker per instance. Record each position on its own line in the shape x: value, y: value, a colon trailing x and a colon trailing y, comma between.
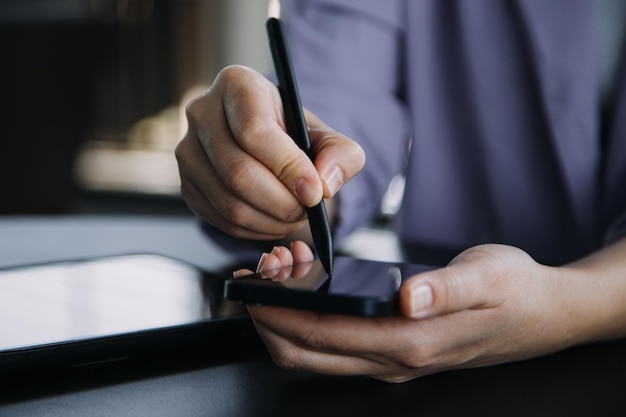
x: 479, y: 277
x: 457, y: 287
x: 337, y: 157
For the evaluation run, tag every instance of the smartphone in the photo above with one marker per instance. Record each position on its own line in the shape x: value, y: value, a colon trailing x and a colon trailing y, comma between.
x: 86, y: 311
x: 357, y: 287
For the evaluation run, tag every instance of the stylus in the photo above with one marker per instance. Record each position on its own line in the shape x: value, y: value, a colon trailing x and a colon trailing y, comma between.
x: 297, y: 129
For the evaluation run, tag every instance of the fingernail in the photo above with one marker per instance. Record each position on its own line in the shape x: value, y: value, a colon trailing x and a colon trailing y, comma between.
x: 333, y: 178
x: 261, y: 262
x: 308, y: 194
x: 421, y: 299
x: 275, y: 250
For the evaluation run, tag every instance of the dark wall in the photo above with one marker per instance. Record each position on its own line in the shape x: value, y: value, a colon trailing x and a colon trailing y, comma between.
x: 63, y: 79
x: 46, y: 109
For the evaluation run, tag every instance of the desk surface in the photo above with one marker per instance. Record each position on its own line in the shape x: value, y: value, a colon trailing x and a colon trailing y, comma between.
x: 586, y: 381
x: 242, y: 380
x: 32, y: 239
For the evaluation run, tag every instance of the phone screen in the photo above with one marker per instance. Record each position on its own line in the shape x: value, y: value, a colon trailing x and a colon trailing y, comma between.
x: 72, y: 301
x: 357, y: 287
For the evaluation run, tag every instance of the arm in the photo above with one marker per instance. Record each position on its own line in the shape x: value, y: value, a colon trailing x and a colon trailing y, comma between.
x: 601, y: 279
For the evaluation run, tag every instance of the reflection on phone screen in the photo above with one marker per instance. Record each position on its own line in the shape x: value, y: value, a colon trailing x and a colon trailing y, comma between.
x: 357, y: 287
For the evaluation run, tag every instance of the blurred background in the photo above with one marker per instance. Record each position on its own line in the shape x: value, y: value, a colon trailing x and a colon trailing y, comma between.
x: 93, y: 96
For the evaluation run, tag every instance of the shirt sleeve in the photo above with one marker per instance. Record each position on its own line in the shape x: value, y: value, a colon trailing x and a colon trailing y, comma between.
x: 348, y: 57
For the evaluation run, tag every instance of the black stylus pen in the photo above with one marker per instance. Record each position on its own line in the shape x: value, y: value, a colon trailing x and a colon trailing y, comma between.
x: 296, y: 128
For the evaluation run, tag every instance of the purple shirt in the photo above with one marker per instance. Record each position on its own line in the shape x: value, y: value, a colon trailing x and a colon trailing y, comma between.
x: 502, y: 102
x: 490, y: 108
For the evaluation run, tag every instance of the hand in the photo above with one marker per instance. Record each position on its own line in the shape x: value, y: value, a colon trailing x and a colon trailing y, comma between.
x: 491, y: 304
x: 242, y: 173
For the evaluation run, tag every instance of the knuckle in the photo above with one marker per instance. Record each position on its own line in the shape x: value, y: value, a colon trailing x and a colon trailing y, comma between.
x: 295, y: 215
x: 413, y: 358
x: 235, y: 232
x: 232, y: 73
x: 287, y: 168
x: 417, y: 358
x: 356, y: 152
x: 180, y: 152
x: 472, y: 254
x: 291, y: 167
x: 235, y: 212
x: 287, y: 358
x: 251, y: 129
x: 451, y: 289
x: 311, y: 341
x: 416, y: 353
x: 187, y: 191
x: 239, y: 176
x: 194, y: 110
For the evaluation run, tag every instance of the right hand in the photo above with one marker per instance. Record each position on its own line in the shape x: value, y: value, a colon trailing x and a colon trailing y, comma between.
x: 242, y: 173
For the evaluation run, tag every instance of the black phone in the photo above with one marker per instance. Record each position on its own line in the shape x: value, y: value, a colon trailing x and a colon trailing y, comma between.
x: 86, y: 311
x: 358, y: 287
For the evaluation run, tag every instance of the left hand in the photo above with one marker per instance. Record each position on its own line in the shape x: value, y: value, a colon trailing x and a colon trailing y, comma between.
x: 491, y: 304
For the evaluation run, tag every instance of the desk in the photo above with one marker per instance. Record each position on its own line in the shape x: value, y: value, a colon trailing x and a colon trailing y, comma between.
x: 242, y: 381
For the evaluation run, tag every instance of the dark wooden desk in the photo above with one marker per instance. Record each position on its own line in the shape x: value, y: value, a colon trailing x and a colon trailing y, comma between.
x: 585, y: 381
x: 235, y: 377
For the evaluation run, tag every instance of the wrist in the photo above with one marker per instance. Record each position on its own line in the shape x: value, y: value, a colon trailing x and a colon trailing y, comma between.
x: 594, y: 301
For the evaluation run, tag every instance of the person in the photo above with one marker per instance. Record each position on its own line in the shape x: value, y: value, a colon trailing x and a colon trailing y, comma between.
x: 508, y: 121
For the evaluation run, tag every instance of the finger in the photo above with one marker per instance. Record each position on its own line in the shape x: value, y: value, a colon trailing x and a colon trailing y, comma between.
x: 244, y: 175
x: 330, y: 333
x: 212, y: 200
x: 277, y: 264
x: 282, y: 263
x: 303, y: 259
x: 286, y: 261
x: 265, y: 228
x: 283, y: 254
x: 473, y: 280
x: 253, y: 111
x: 393, y: 349
x: 439, y: 292
x: 301, y: 252
x: 337, y: 158
x: 241, y: 273
x: 243, y: 222
x: 290, y: 355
